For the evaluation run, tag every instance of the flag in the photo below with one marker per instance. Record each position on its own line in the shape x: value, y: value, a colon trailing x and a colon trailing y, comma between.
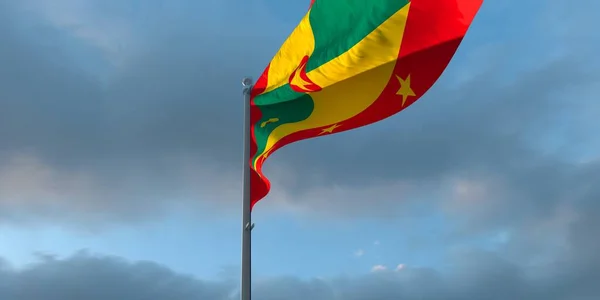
x: 350, y: 63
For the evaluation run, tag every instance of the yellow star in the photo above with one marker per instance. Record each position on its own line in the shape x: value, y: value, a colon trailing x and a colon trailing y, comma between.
x: 405, y: 90
x: 329, y: 129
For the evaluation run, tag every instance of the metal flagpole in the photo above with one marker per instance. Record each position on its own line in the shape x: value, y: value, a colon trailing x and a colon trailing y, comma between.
x: 247, y: 225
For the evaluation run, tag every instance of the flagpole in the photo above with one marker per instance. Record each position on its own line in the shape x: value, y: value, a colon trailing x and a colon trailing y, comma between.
x: 245, y: 290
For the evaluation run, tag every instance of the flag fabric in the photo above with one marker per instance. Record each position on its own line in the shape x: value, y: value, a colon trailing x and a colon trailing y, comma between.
x: 350, y: 63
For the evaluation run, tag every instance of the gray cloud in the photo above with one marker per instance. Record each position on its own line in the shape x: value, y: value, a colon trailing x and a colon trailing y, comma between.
x: 94, y: 277
x: 163, y: 126
x: 500, y: 150
x: 468, y: 275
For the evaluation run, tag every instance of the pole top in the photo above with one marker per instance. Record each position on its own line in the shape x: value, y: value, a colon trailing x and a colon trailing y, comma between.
x: 247, y: 81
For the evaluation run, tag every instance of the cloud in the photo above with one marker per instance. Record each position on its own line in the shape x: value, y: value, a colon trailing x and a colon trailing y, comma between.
x: 107, y: 116
x: 470, y: 275
x: 378, y: 268
x: 119, y: 142
x: 32, y: 191
x: 496, y: 143
x: 99, y: 278
x: 359, y: 252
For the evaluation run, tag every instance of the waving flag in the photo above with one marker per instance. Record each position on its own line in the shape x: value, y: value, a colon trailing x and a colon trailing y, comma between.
x: 350, y: 63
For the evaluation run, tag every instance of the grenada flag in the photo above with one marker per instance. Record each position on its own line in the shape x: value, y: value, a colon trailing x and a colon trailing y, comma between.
x: 350, y: 63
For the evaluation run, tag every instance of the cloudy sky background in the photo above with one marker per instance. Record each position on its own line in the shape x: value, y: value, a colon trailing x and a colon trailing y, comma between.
x: 120, y: 149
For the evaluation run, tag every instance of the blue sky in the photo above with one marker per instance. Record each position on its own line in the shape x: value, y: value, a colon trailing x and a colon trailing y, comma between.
x: 107, y: 121
x: 283, y: 244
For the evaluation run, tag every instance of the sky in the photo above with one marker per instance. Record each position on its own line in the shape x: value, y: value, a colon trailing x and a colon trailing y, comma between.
x: 120, y: 161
